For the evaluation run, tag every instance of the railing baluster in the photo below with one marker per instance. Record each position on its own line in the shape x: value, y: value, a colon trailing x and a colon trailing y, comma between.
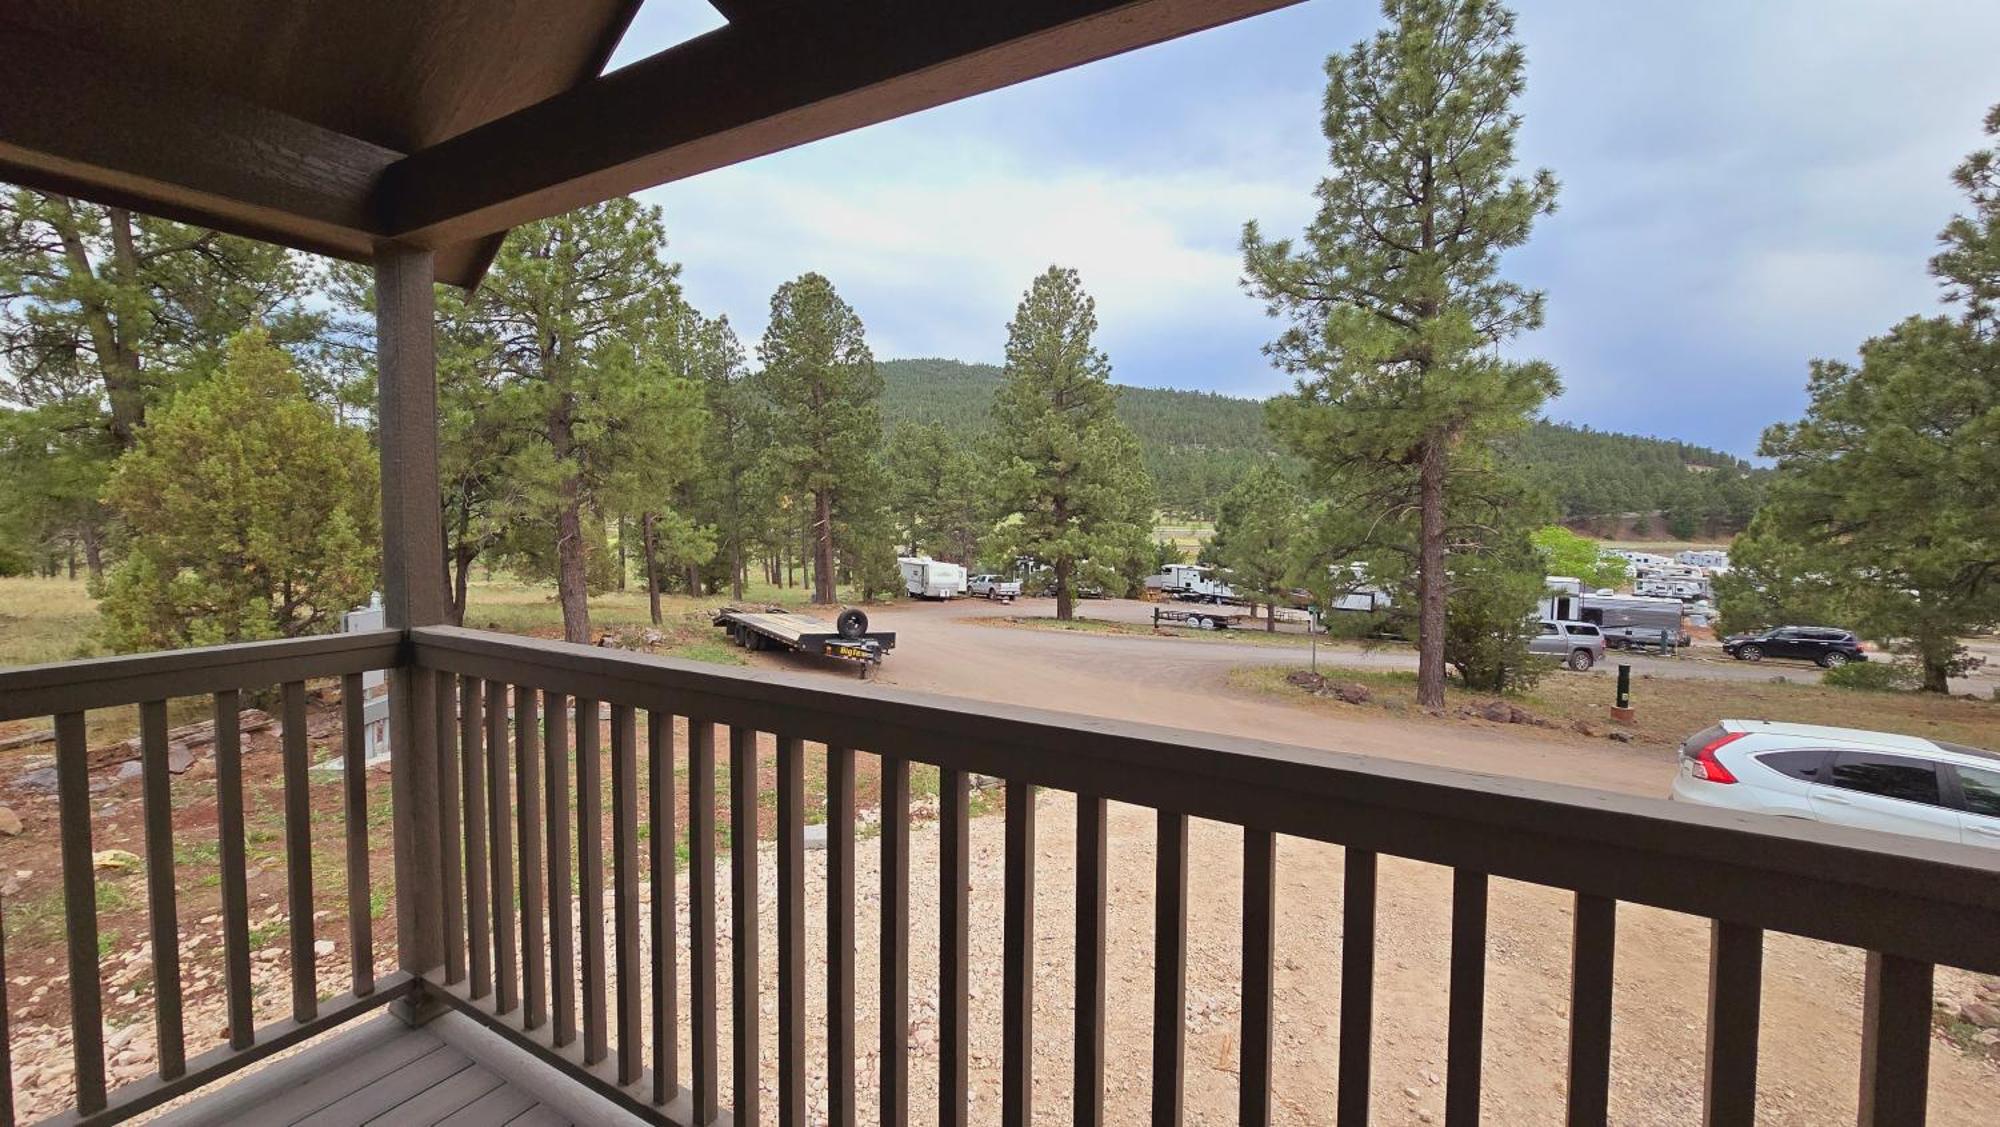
x: 354, y: 789
x: 1465, y: 1029
x: 86, y: 1004
x: 1091, y: 871
x: 791, y: 933
x: 625, y: 889
x: 298, y: 852
x: 1253, y: 1086
x: 660, y: 792
x: 160, y: 902
x: 1596, y: 939
x: 743, y: 918
x: 1017, y: 960
x: 840, y: 935
x: 6, y: 1034
x: 590, y: 873
x: 451, y: 845
x: 1357, y: 984
x: 701, y: 913
x: 562, y: 933
x: 528, y: 806
x: 1170, y: 968
x: 229, y: 833
x: 505, y: 980
x: 1895, y: 1040
x: 472, y: 792
x: 954, y: 915
x: 1735, y: 988
x: 895, y: 1007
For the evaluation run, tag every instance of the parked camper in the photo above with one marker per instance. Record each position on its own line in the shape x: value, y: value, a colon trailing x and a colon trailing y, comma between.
x: 926, y: 578
x: 1194, y: 583
x: 1684, y: 589
x: 1711, y: 560
x: 1624, y: 618
x: 1353, y: 591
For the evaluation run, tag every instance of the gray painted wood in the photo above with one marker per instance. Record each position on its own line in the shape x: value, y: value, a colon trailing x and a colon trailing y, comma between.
x: 450, y: 828
x: 661, y: 863
x: 86, y: 1001
x: 744, y: 974
x: 298, y: 853
x: 1465, y: 1021
x: 229, y: 831
x: 500, y: 821
x: 1591, y: 956
x: 1169, y: 968
x: 1895, y: 1041
x: 840, y: 935
x: 528, y: 804
x: 791, y: 933
x: 894, y: 1009
x: 1091, y: 888
x: 590, y: 875
x: 354, y: 793
x: 1017, y: 959
x: 1735, y: 996
x: 630, y: 1002
x: 160, y: 900
x: 472, y: 808
x: 562, y: 940
x: 954, y: 944
x: 1357, y: 985
x: 427, y: 906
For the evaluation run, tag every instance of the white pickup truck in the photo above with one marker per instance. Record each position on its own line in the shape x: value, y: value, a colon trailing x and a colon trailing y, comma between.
x: 994, y: 587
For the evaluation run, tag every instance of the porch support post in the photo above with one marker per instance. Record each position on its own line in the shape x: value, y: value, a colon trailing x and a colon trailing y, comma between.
x: 412, y: 593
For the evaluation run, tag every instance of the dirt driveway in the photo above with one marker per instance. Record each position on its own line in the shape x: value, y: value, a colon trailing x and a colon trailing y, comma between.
x: 1810, y: 1051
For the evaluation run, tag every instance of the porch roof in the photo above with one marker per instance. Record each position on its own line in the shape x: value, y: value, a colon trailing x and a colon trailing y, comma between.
x: 338, y: 125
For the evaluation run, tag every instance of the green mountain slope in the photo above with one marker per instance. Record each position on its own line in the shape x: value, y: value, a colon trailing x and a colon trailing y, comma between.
x: 1197, y: 444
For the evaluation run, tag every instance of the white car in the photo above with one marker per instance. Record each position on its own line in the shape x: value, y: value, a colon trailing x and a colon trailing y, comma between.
x: 1847, y: 776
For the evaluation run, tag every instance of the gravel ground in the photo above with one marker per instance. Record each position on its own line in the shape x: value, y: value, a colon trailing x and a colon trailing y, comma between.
x: 1810, y: 1055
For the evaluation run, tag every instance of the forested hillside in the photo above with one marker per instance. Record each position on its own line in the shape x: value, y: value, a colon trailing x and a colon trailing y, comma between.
x: 1197, y: 444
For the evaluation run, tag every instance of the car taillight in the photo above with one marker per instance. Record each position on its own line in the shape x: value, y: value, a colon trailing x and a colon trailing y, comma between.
x: 1707, y: 766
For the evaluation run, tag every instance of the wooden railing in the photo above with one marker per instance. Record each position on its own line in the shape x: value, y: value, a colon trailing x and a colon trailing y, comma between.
x: 503, y: 874
x: 67, y: 692
x: 1910, y: 904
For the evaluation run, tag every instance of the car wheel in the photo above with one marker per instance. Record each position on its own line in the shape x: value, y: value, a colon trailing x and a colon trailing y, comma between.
x: 1750, y: 653
x: 1581, y: 661
x: 1833, y: 660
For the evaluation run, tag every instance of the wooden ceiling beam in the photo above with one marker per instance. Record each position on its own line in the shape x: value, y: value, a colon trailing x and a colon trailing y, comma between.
x: 78, y: 124
x: 754, y: 88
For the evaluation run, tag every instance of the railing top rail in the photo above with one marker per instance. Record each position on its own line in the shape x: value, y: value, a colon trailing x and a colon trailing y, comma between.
x: 1930, y: 900
x: 103, y: 682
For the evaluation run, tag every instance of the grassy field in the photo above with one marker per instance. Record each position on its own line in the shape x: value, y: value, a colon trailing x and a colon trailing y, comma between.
x: 1666, y: 711
x: 43, y: 620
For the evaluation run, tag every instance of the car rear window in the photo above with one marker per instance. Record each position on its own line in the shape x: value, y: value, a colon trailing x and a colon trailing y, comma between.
x: 1981, y: 788
x: 1702, y: 739
x: 1584, y: 631
x: 1891, y: 776
x: 1808, y: 765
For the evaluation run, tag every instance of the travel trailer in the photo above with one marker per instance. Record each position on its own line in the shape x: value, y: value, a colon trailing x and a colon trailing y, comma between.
x: 926, y: 578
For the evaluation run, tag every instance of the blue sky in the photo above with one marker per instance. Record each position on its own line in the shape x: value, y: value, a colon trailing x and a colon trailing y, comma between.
x: 1745, y: 186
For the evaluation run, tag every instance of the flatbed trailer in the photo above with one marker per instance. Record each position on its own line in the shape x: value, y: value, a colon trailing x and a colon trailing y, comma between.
x: 1199, y: 619
x: 778, y: 629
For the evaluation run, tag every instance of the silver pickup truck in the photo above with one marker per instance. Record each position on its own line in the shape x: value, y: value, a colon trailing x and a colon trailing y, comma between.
x: 993, y: 587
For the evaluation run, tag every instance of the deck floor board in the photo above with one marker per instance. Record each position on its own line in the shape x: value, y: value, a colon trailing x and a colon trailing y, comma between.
x: 384, y: 1073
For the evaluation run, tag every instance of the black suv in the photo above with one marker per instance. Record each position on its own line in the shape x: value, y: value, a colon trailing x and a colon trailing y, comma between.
x: 1824, y: 645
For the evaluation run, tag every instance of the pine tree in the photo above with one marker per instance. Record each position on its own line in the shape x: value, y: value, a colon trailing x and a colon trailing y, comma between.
x: 253, y: 513
x: 1068, y: 469
x: 1883, y: 502
x: 576, y: 312
x: 1254, y: 538
x: 826, y: 420
x: 1394, y: 294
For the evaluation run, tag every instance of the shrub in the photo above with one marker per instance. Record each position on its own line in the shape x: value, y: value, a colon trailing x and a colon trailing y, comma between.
x: 1875, y: 677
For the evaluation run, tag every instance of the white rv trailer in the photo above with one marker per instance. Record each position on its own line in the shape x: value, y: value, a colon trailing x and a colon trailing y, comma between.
x: 1195, y: 583
x: 1354, y: 592
x: 926, y: 578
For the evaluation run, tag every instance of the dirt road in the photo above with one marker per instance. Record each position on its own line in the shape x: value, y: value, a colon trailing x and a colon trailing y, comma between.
x: 1810, y: 1051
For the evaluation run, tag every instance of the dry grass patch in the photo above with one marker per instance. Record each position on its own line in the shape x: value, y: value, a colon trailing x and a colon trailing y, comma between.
x: 1668, y: 709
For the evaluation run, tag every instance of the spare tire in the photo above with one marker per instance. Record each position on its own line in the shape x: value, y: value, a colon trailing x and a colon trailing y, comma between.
x: 851, y: 624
